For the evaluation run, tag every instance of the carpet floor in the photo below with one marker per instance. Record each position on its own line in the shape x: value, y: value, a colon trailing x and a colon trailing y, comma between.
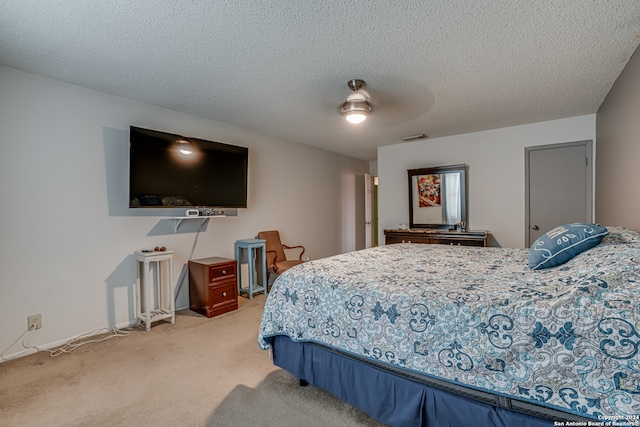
x: 197, y: 372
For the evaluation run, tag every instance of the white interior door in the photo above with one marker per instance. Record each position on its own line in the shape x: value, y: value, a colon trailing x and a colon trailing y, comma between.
x: 559, y: 187
x: 368, y: 210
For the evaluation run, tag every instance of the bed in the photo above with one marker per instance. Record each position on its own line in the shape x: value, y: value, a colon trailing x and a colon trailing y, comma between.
x: 436, y: 335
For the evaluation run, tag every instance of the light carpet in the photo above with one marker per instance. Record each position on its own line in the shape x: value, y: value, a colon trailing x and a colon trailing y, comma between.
x: 198, y: 372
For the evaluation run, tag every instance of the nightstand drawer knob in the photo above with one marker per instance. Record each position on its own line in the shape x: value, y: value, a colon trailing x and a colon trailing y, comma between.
x: 224, y: 272
x: 224, y: 294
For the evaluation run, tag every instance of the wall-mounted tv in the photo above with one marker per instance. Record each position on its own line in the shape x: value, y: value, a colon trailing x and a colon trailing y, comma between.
x: 173, y: 171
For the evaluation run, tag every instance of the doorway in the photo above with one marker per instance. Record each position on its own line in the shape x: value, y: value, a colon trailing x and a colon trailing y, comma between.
x: 371, y: 210
x: 559, y: 186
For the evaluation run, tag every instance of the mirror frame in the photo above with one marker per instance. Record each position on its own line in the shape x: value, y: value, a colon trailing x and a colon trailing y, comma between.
x: 462, y: 169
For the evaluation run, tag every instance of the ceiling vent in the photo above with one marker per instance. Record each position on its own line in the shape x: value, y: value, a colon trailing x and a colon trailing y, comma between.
x: 414, y: 137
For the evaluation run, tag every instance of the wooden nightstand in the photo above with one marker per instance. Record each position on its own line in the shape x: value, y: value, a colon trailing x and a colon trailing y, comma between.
x: 213, y: 285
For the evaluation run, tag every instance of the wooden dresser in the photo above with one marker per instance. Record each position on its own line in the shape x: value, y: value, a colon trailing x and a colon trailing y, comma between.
x: 213, y: 285
x: 431, y: 235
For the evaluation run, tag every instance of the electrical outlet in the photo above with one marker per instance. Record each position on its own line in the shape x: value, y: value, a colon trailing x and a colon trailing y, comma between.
x: 34, y: 322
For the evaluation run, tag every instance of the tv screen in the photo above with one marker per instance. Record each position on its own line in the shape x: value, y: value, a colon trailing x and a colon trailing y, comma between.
x: 172, y: 171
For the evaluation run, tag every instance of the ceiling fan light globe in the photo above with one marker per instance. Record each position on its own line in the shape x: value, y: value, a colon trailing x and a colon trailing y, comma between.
x: 356, y: 117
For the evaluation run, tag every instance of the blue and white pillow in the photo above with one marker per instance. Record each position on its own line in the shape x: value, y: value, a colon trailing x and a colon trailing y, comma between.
x: 563, y: 243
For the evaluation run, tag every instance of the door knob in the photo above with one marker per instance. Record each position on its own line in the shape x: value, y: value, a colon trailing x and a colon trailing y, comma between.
x: 535, y: 227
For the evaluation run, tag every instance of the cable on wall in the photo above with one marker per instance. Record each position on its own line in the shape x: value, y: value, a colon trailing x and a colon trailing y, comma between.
x: 69, y: 346
x: 12, y: 344
x: 183, y: 274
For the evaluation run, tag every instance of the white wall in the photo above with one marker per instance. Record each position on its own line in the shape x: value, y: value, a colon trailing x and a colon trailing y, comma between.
x: 496, y: 173
x: 67, y: 235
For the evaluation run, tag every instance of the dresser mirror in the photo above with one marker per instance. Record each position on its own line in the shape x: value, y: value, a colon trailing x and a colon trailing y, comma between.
x: 438, y: 197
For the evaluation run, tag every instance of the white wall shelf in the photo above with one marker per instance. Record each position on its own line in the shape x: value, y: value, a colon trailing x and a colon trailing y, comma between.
x: 178, y: 219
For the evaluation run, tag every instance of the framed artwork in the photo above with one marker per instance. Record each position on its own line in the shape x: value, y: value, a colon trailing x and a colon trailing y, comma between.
x: 428, y: 190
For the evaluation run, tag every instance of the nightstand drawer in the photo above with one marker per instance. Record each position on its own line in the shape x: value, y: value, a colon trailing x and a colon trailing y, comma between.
x: 221, y: 294
x: 221, y: 271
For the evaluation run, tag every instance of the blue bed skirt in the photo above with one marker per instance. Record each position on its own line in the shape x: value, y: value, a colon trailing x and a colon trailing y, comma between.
x: 392, y: 399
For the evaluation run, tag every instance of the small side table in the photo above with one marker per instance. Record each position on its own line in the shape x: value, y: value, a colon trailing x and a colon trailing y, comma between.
x: 213, y: 285
x: 255, y: 251
x: 156, y: 303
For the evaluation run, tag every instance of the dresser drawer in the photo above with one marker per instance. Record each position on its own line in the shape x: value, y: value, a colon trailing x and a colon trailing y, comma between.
x: 442, y: 237
x: 406, y: 238
x: 444, y: 242
x: 394, y: 239
x: 217, y: 272
x: 480, y: 243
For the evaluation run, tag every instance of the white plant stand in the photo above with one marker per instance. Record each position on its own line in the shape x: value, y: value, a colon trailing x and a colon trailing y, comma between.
x: 157, y: 301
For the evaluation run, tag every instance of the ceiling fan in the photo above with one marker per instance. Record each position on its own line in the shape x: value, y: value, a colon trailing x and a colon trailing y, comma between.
x: 357, y: 107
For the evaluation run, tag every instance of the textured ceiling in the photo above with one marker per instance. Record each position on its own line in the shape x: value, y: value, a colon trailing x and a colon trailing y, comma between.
x: 280, y: 68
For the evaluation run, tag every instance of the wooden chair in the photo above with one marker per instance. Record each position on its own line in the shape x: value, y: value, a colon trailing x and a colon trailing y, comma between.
x: 276, y: 259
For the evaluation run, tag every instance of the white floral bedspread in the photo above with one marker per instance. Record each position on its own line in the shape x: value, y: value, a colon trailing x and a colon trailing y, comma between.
x: 567, y: 337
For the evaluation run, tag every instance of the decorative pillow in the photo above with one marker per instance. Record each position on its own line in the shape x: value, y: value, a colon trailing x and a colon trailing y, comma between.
x: 563, y: 243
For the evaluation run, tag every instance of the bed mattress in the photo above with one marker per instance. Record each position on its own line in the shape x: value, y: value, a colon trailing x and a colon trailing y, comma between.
x: 565, y: 338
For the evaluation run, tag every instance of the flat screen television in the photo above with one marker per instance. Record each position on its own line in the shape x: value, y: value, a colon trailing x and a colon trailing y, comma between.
x: 173, y: 171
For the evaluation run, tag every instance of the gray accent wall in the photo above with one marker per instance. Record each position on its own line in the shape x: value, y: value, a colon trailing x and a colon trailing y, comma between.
x: 618, y: 151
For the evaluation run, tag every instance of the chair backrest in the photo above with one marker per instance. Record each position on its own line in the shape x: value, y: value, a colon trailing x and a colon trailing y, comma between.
x: 273, y: 246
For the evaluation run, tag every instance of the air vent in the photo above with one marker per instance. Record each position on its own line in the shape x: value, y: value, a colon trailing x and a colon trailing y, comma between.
x: 414, y: 137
